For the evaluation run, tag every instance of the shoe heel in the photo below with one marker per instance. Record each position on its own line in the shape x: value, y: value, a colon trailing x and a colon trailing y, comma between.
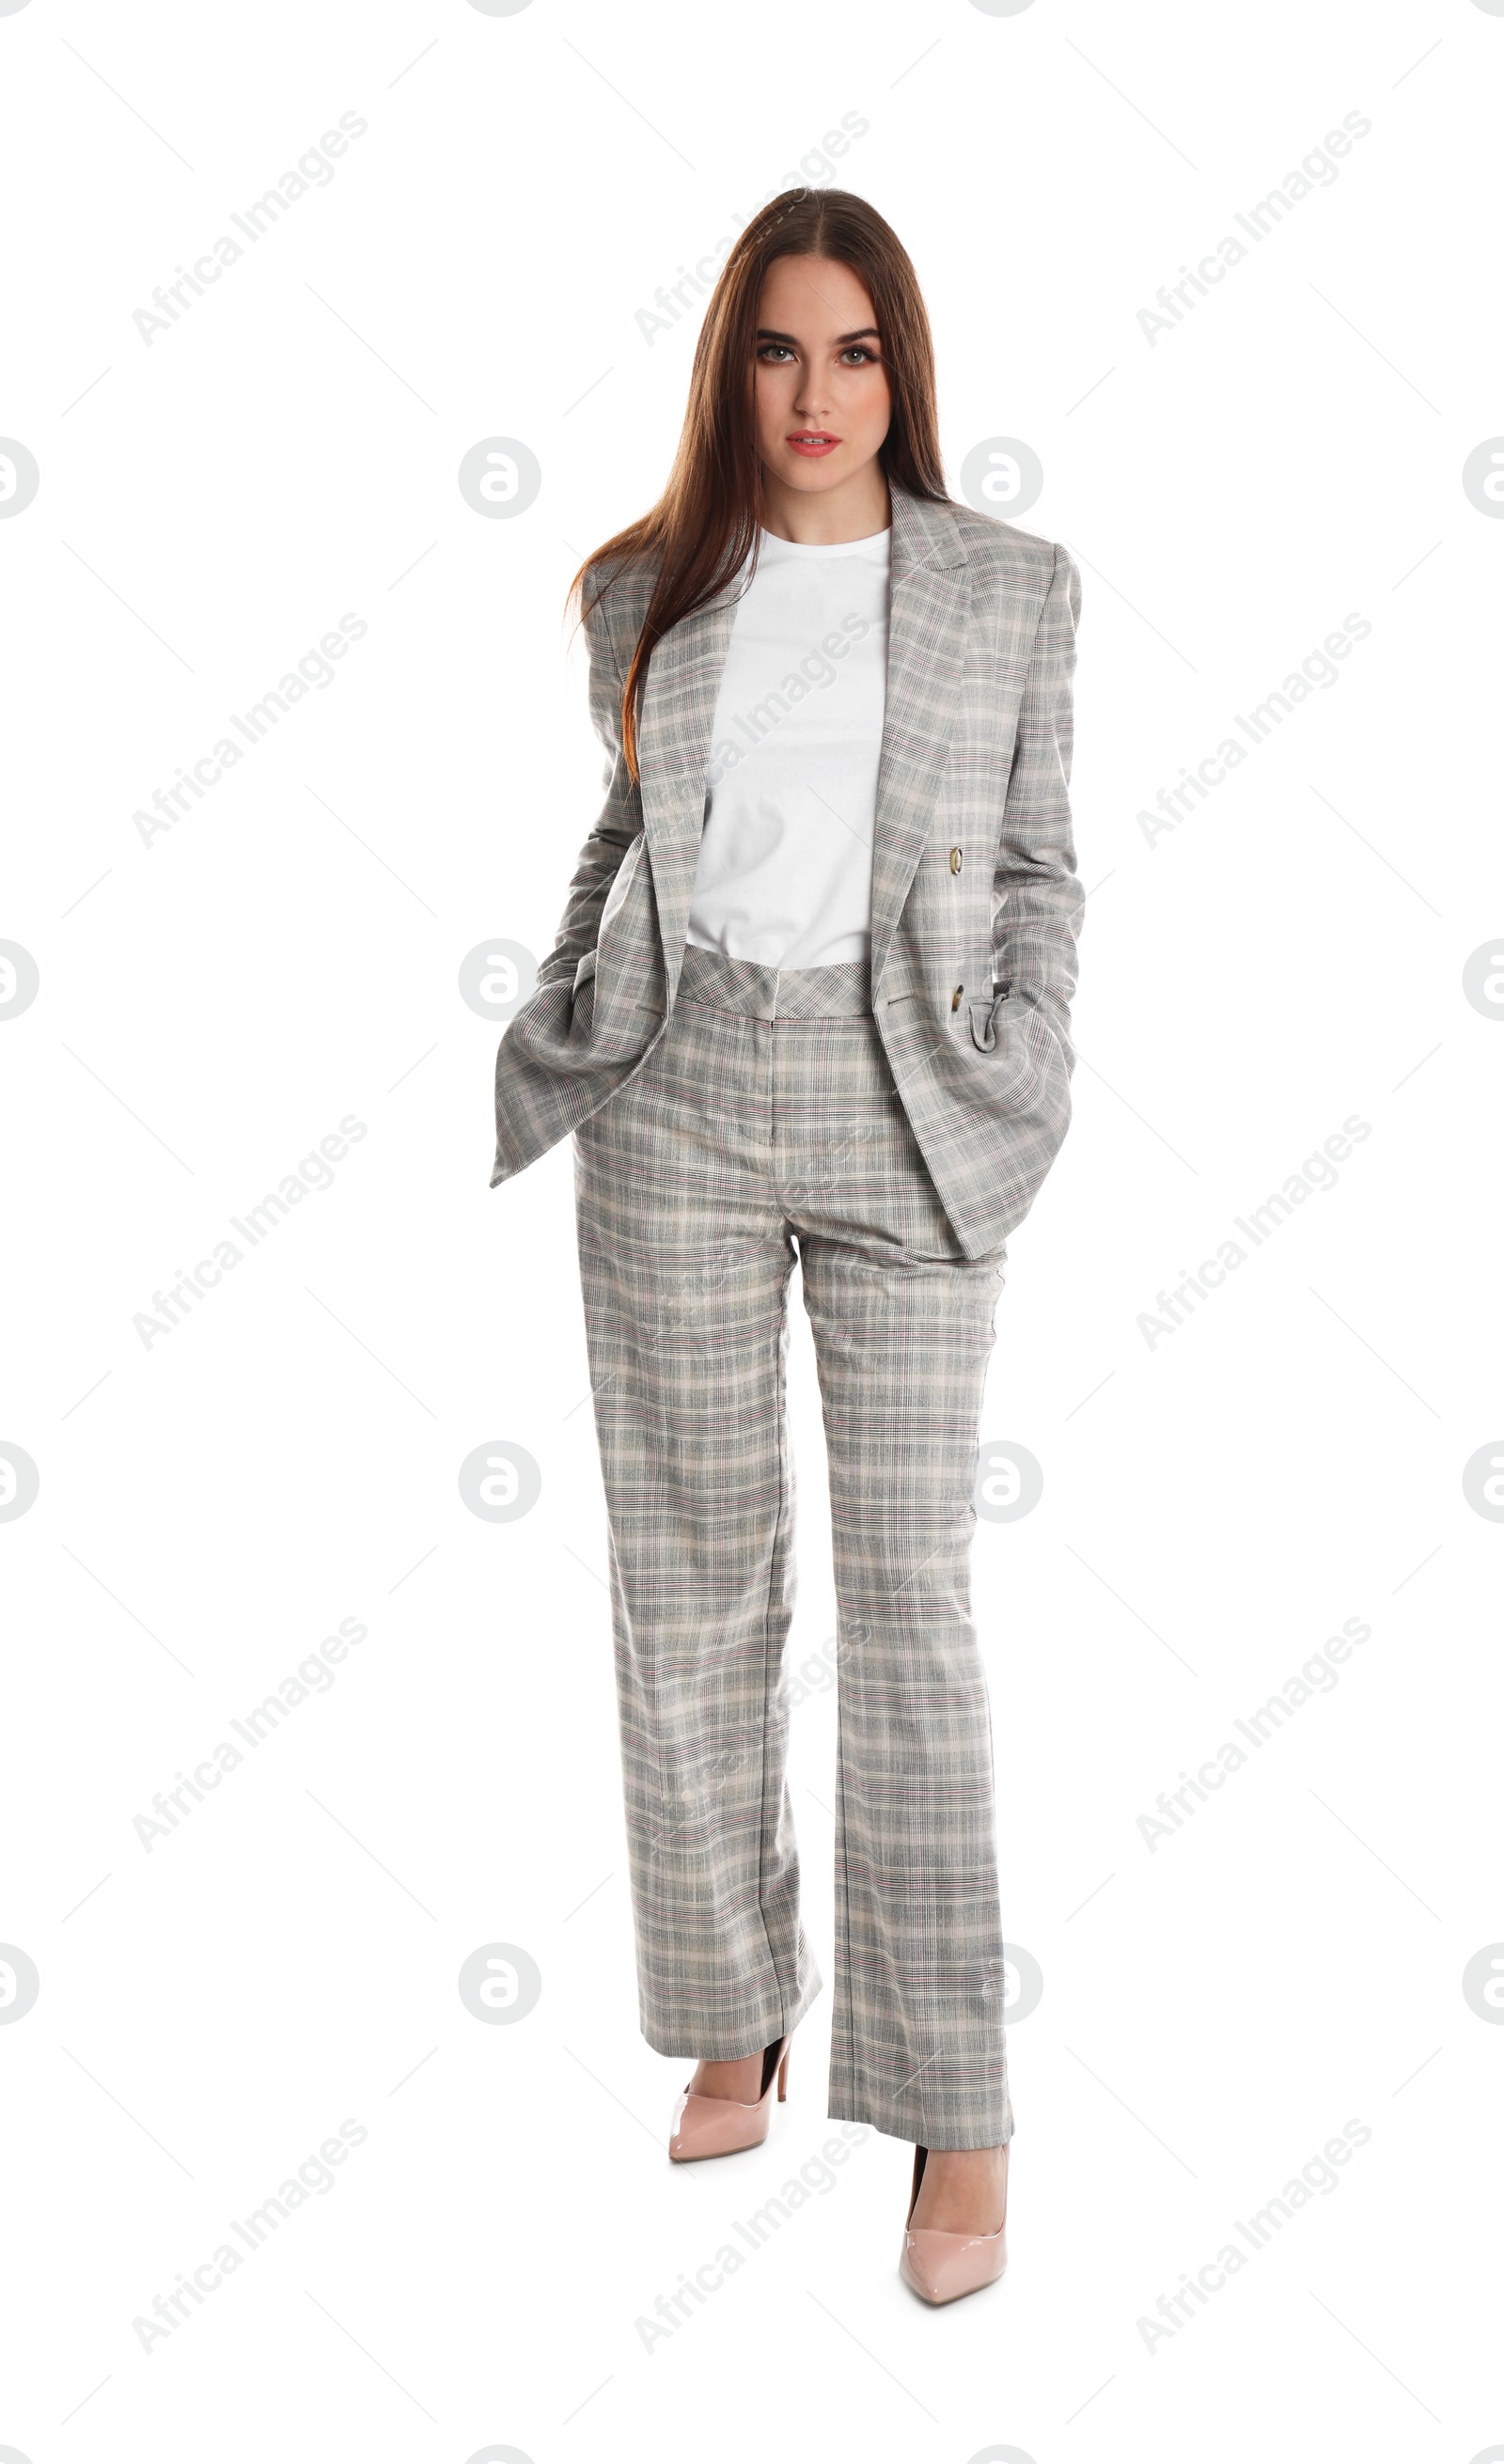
x: 783, y: 2079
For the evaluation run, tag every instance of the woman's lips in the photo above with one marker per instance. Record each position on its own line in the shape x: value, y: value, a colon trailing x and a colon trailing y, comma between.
x: 812, y: 442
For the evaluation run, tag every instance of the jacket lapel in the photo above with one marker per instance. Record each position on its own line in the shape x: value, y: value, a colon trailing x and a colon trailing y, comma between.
x: 683, y: 678
x: 927, y: 609
x: 927, y: 643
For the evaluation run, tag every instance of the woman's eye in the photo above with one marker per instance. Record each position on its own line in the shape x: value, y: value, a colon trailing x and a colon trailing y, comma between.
x: 859, y: 353
x: 769, y: 350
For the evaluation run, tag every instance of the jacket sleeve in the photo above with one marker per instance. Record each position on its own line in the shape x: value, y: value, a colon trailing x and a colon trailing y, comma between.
x: 1037, y: 900
x: 620, y: 818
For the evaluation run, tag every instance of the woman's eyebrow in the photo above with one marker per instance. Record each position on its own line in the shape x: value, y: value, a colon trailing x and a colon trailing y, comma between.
x: 771, y: 334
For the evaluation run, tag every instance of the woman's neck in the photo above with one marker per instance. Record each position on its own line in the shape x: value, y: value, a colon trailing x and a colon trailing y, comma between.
x: 858, y: 508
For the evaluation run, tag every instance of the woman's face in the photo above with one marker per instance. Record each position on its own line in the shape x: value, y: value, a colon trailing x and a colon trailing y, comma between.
x: 821, y: 388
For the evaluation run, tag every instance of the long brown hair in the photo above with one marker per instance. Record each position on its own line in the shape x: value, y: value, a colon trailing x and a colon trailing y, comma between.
x: 705, y: 524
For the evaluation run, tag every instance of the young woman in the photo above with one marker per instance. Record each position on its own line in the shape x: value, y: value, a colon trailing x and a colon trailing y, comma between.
x: 810, y: 997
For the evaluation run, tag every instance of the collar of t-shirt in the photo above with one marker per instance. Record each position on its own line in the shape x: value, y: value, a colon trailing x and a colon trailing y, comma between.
x: 773, y: 550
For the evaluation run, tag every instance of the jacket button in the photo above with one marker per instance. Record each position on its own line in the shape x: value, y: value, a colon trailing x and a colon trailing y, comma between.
x: 955, y: 998
x: 955, y: 859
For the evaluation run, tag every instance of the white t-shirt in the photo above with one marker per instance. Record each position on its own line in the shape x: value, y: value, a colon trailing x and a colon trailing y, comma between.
x: 785, y: 869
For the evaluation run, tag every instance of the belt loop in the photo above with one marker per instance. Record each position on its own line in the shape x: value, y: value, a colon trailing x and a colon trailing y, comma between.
x: 774, y: 1012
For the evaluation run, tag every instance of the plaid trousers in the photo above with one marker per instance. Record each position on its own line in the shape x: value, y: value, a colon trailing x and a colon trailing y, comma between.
x: 766, y: 1115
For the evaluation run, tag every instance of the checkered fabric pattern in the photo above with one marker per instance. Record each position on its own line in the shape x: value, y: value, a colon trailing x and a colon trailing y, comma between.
x: 766, y: 1115
x: 975, y: 903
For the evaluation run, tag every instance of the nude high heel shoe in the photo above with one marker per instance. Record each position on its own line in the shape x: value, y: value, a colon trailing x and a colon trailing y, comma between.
x: 715, y: 2125
x: 942, y: 2266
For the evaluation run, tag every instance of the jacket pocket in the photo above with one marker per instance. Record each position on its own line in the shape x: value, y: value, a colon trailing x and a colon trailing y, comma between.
x: 983, y: 1022
x: 1030, y: 1066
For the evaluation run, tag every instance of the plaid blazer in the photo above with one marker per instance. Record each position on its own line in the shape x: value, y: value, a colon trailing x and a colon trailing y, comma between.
x: 975, y: 903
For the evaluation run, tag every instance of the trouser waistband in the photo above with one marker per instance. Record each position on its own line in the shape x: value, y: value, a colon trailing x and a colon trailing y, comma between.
x: 711, y: 980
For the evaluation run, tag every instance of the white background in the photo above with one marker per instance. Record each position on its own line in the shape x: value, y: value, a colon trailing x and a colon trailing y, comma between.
x: 1215, y: 1504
